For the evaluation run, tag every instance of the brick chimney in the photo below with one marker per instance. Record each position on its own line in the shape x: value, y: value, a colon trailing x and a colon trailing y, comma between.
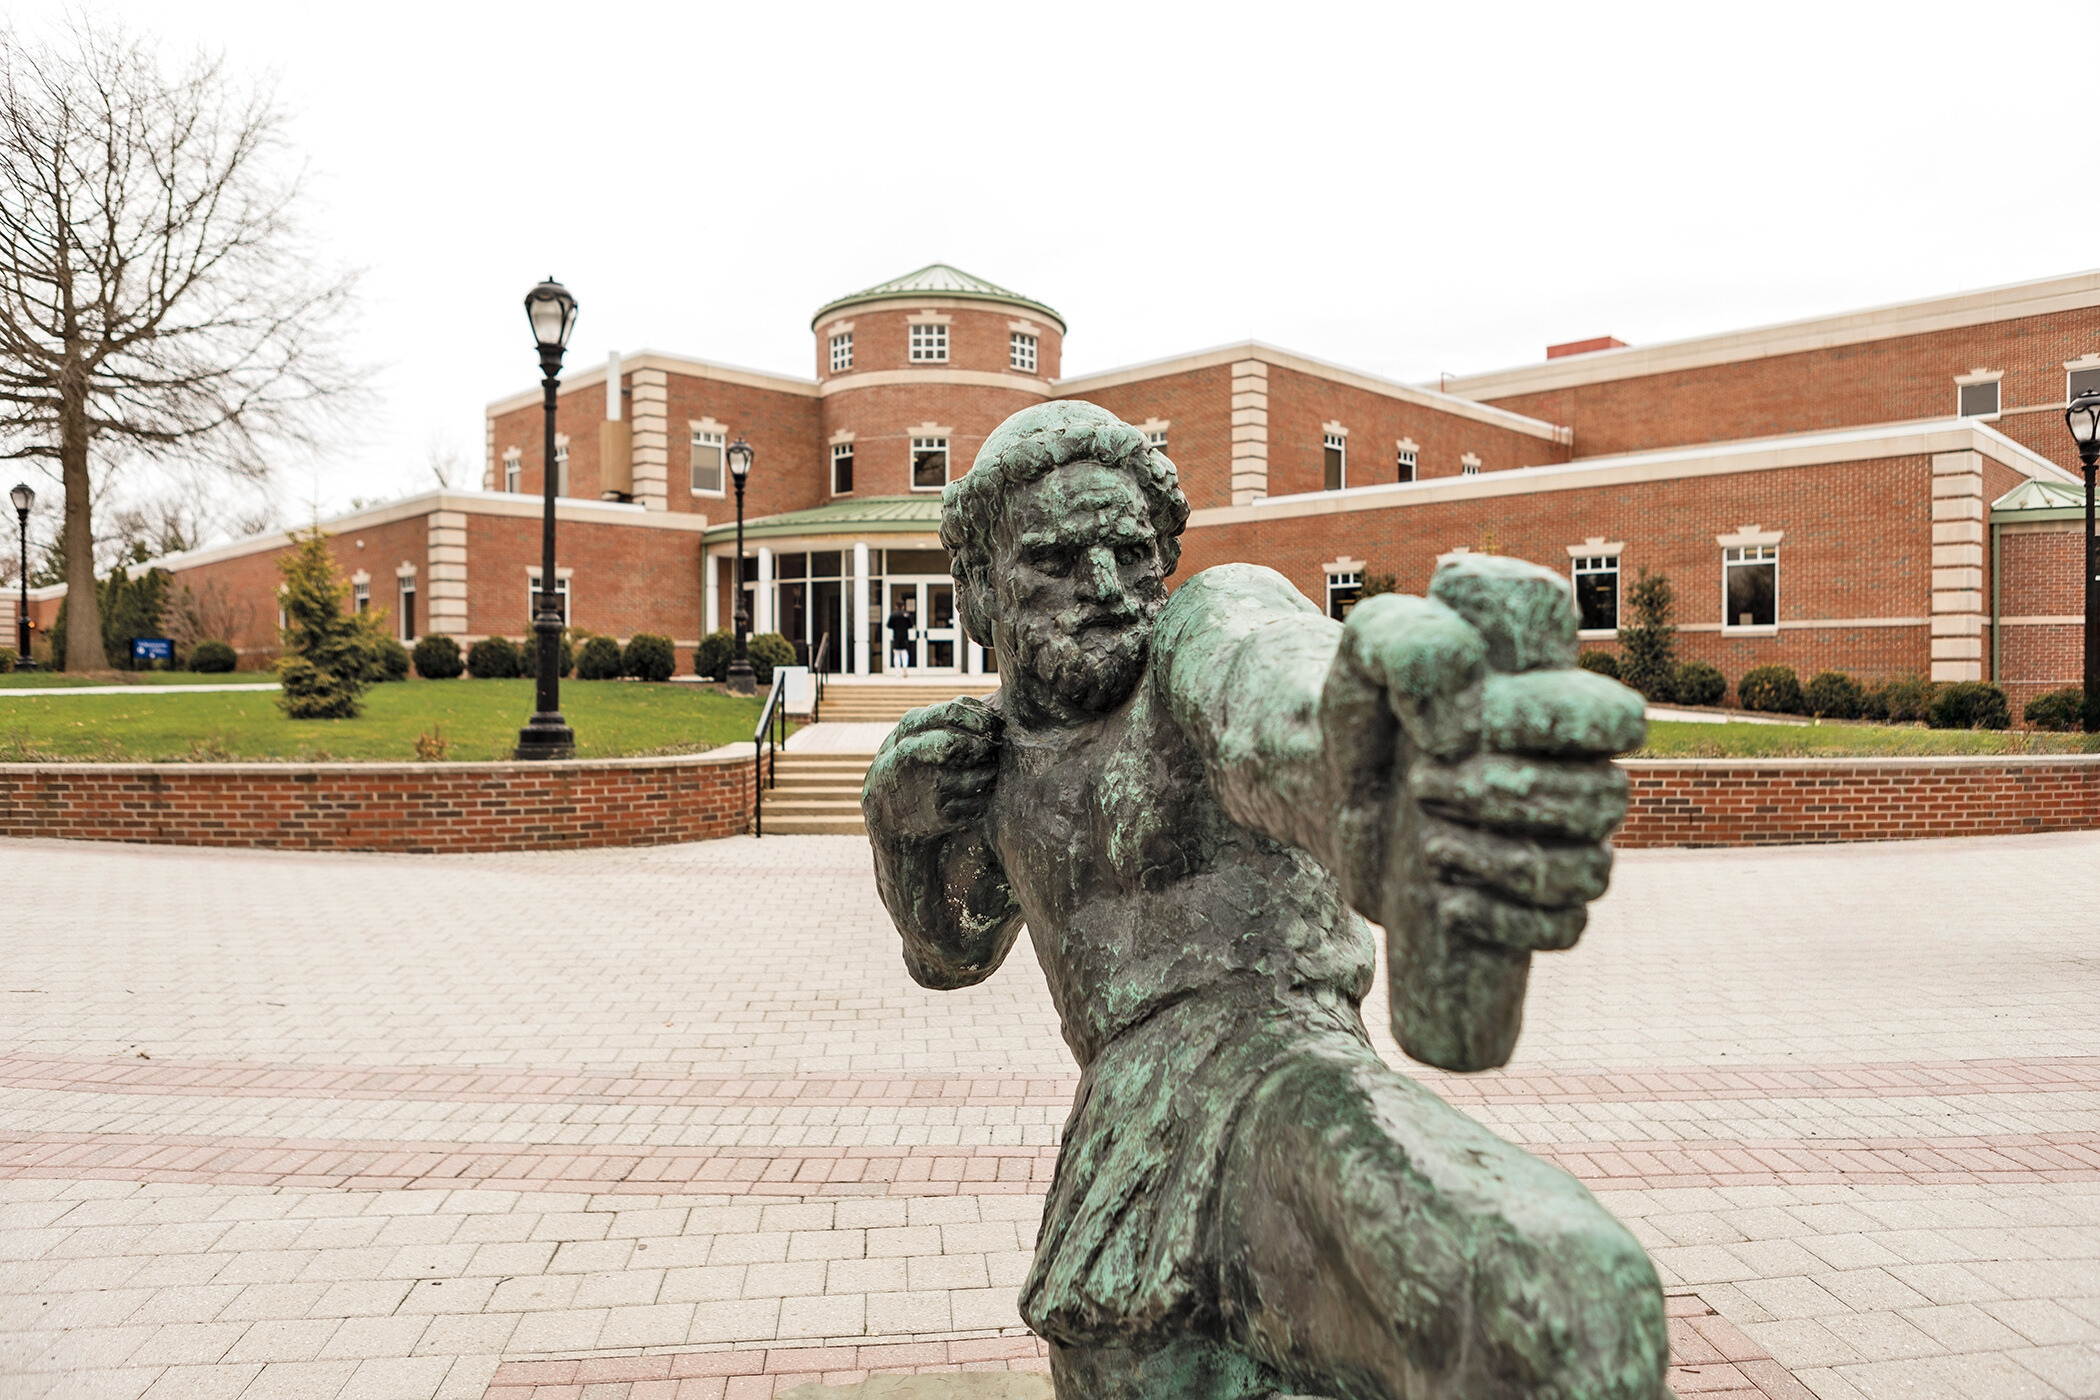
x: 1584, y: 347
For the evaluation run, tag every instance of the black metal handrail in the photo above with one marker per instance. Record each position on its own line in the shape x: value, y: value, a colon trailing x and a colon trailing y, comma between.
x: 816, y: 669
x: 765, y: 748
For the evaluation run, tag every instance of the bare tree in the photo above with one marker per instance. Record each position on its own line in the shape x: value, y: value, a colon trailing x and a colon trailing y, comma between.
x: 157, y: 296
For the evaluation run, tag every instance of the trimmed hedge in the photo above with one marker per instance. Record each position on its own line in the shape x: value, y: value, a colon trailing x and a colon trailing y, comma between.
x: 650, y: 657
x: 1901, y: 701
x: 1772, y: 689
x: 437, y: 658
x: 767, y: 650
x: 213, y: 658
x: 1602, y: 662
x: 493, y: 659
x: 600, y: 660
x: 2057, y: 710
x: 1699, y: 683
x: 1970, y: 705
x: 711, y: 658
x: 1834, y: 695
x: 393, y: 660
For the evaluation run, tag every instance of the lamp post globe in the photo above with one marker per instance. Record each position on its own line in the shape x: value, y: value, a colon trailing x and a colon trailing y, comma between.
x: 23, y: 498
x: 742, y: 680
x: 2083, y: 419
x: 552, y: 312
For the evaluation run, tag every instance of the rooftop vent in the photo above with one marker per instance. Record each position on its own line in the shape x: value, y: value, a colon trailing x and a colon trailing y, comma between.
x: 1584, y: 347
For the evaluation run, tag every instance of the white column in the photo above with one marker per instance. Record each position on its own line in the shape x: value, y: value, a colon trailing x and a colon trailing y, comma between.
x: 860, y: 608
x: 975, y: 664
x: 762, y: 606
x: 710, y: 579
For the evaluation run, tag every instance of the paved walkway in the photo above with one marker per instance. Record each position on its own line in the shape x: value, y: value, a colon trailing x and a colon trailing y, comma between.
x: 205, y: 689
x: 674, y: 1122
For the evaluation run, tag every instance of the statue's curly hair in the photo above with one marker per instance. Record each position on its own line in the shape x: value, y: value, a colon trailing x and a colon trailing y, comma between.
x: 1035, y: 442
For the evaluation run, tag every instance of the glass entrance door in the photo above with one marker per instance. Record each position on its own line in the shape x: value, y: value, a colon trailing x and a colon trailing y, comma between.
x: 934, y: 640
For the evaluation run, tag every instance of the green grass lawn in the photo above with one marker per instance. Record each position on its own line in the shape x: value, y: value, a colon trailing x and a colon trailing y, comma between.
x: 479, y: 720
x: 1682, y: 739
x: 47, y: 680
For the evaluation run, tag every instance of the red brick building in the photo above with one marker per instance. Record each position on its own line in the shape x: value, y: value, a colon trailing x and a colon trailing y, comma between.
x: 1884, y: 492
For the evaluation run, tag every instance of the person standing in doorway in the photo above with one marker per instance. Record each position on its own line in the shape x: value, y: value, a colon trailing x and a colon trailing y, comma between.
x: 900, y: 624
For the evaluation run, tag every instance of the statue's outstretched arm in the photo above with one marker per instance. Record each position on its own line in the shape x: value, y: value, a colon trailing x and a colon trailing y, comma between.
x: 1440, y: 755
x: 924, y: 802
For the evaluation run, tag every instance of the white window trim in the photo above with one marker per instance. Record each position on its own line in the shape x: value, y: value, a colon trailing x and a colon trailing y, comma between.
x: 1014, y: 347
x: 937, y: 329
x: 514, y: 469
x: 1336, y: 437
x: 1770, y: 629
x: 1469, y: 465
x: 2084, y: 363
x: 926, y: 432
x: 561, y: 465
x: 1596, y: 547
x: 837, y: 444
x: 1407, y: 447
x: 1981, y: 376
x: 721, y: 430
x: 1749, y: 535
x: 562, y: 586
x: 832, y: 346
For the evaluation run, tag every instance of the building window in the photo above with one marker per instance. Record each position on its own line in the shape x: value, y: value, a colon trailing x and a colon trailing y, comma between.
x: 841, y: 468
x: 1335, y: 448
x: 532, y: 595
x: 1156, y: 441
x: 1342, y: 593
x: 1750, y: 583
x: 1469, y: 465
x: 842, y: 352
x: 1597, y: 592
x: 561, y: 466
x: 2081, y: 381
x: 513, y: 470
x: 707, y: 462
x: 361, y: 597
x: 929, y: 463
x: 1020, y: 351
x: 1978, y: 400
x: 408, y: 607
x: 1404, y: 468
x: 929, y: 344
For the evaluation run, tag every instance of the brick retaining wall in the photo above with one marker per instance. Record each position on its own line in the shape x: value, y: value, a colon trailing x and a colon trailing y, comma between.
x: 1791, y: 801
x: 417, y: 807
x: 460, y: 807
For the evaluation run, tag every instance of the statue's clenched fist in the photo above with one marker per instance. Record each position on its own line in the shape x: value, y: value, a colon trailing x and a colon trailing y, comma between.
x: 1477, y: 791
x: 936, y: 771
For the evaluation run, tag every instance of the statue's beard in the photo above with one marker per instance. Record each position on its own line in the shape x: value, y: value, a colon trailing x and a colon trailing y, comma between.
x: 1091, y: 664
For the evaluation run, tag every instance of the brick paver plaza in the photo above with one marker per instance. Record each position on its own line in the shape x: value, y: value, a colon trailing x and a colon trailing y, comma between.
x: 674, y: 1122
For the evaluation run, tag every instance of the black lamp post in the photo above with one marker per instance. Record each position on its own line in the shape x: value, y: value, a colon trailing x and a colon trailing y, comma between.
x: 23, y: 498
x: 552, y: 312
x: 741, y: 679
x: 2083, y: 416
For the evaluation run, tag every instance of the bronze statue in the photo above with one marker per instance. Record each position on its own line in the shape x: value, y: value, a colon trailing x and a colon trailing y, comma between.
x: 1185, y: 797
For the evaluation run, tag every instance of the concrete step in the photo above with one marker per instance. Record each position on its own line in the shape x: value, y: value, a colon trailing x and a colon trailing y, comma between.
x: 814, y: 826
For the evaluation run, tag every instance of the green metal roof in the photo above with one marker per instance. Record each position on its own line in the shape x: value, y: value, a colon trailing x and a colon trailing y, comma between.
x: 2036, y: 499
x: 936, y: 279
x: 874, y: 515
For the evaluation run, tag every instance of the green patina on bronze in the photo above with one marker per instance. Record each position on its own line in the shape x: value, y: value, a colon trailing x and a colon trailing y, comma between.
x: 1194, y: 802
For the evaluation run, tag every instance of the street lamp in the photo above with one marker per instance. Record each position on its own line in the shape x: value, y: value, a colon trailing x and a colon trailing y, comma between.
x: 741, y: 679
x: 23, y: 498
x: 552, y: 312
x: 2083, y: 418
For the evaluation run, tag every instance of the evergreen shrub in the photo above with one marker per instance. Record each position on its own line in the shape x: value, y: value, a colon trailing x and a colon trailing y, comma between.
x: 1602, y: 662
x: 1970, y: 705
x: 711, y: 658
x: 493, y: 659
x: 330, y: 654
x: 1773, y: 689
x: 1903, y: 700
x: 437, y: 658
x: 213, y: 658
x: 393, y: 660
x: 600, y: 660
x: 1699, y: 683
x: 8, y: 657
x: 2058, y: 710
x: 1834, y: 695
x: 1648, y: 646
x: 767, y: 650
x: 650, y: 657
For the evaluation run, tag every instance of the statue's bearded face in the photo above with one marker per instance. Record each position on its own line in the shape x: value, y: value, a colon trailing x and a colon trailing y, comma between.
x: 1077, y: 574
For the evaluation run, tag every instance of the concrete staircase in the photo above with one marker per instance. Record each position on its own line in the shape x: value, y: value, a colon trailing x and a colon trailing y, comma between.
x: 816, y: 794
x: 886, y: 704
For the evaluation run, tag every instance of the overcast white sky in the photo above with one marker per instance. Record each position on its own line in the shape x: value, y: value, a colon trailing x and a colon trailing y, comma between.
x: 1402, y: 188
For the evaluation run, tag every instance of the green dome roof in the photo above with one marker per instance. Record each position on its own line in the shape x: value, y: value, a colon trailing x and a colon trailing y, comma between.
x: 941, y: 280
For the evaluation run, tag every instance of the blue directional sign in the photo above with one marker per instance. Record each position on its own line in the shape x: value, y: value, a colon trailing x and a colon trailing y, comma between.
x: 152, y: 649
